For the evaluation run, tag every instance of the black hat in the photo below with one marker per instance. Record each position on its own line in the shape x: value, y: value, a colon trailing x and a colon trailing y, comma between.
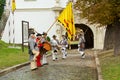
x: 54, y: 36
x: 32, y: 33
x: 38, y: 34
x: 44, y: 33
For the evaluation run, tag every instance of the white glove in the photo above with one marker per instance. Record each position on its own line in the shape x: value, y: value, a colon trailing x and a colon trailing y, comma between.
x: 66, y: 46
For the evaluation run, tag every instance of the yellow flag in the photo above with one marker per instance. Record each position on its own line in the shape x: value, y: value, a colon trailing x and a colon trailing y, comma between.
x: 66, y: 18
x: 13, y: 5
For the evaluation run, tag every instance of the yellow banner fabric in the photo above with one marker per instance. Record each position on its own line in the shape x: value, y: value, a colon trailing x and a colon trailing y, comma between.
x: 66, y: 18
x: 13, y: 5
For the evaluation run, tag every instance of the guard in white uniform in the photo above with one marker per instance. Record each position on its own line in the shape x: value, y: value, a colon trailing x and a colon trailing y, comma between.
x: 44, y: 57
x: 33, y: 51
x: 54, y: 44
x: 81, y: 45
x: 64, y: 45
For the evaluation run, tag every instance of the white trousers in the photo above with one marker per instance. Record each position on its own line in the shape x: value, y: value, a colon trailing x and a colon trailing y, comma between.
x: 54, y: 55
x: 44, y: 59
x: 82, y: 54
x: 33, y: 65
x: 64, y: 53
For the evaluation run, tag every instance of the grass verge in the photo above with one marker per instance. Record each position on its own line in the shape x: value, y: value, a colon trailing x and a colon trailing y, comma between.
x: 11, y: 56
x: 110, y: 65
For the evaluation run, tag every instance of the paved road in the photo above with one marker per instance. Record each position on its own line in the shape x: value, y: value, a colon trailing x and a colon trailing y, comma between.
x: 72, y: 68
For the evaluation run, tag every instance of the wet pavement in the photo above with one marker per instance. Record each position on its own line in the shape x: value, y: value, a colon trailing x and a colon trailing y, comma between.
x: 71, y: 68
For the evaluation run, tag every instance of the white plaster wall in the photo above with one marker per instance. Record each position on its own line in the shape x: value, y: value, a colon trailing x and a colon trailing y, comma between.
x: 37, y: 12
x: 5, y: 35
x: 8, y: 33
x: 100, y: 36
x: 38, y: 3
x: 41, y: 17
x: 39, y: 20
x: 35, y: 3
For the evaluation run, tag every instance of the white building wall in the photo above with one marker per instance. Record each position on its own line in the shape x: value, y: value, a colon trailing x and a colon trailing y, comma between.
x: 99, y: 37
x: 34, y: 3
x: 40, y: 16
x: 8, y: 33
x: 21, y: 4
x: 38, y: 13
x: 5, y: 35
x: 39, y: 20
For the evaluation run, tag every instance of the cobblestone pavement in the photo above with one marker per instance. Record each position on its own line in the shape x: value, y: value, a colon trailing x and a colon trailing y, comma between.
x: 72, y: 68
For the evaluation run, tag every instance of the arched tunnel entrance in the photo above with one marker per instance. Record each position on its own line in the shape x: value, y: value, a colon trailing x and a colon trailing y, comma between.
x: 88, y: 34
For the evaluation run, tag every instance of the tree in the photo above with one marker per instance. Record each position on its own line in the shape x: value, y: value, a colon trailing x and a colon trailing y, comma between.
x: 2, y: 4
x: 102, y: 12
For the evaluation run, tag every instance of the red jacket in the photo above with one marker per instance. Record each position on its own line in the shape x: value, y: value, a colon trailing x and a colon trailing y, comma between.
x: 39, y: 43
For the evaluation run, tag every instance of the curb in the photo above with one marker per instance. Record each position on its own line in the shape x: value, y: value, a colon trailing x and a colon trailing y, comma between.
x: 10, y: 69
x: 98, y: 66
x: 7, y: 70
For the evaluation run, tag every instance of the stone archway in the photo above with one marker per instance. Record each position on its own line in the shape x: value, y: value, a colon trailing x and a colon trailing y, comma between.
x: 89, y: 37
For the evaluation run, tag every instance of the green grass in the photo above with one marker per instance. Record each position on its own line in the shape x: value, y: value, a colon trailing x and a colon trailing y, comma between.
x: 11, y: 56
x: 110, y: 66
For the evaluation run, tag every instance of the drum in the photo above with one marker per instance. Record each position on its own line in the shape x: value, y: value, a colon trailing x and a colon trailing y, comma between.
x: 47, y: 46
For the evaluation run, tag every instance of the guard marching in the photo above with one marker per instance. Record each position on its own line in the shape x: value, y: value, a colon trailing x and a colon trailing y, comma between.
x: 81, y: 45
x: 33, y: 51
x: 54, y: 44
x: 64, y: 45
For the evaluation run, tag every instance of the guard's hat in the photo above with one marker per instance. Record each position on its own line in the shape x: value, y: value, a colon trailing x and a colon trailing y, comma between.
x: 32, y: 33
x: 38, y: 34
x: 54, y: 36
x: 44, y: 33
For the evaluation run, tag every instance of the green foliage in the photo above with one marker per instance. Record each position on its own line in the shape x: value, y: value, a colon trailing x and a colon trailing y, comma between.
x: 101, y: 12
x: 2, y: 4
x: 48, y: 38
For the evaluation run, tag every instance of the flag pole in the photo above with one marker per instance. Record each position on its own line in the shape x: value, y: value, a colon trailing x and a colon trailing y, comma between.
x: 13, y: 31
x: 51, y: 26
x: 73, y: 18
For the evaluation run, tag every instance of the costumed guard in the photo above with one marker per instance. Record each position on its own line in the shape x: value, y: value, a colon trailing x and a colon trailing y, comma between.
x: 39, y: 44
x: 43, y: 50
x: 33, y: 51
x: 81, y: 45
x: 64, y: 45
x: 54, y: 44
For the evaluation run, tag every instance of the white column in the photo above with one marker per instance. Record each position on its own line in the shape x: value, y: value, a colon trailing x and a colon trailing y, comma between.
x: 99, y: 38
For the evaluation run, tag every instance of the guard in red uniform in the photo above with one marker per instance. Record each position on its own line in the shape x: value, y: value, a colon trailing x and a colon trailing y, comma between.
x: 39, y: 44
